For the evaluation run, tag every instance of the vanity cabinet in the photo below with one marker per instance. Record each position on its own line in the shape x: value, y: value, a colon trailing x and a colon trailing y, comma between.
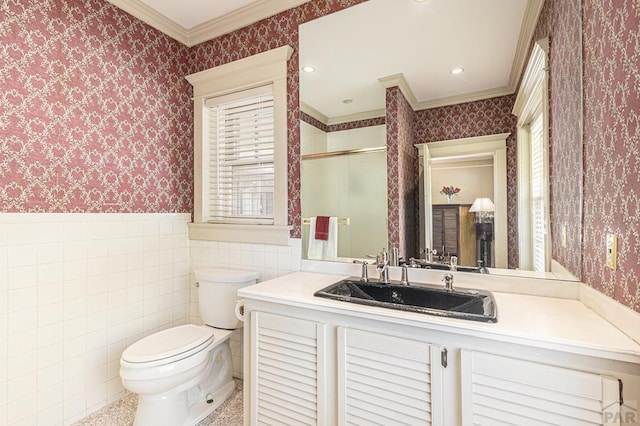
x: 503, y: 390
x: 387, y: 380
x: 288, y: 370
x: 318, y: 368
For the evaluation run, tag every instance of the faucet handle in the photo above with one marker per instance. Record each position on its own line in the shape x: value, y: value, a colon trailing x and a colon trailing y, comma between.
x: 364, y: 276
x: 404, y: 280
x: 448, y: 281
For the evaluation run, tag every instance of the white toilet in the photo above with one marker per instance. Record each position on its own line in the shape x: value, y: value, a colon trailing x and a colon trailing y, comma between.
x: 183, y: 373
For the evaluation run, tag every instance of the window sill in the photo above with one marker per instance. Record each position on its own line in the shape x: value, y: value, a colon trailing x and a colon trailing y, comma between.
x: 255, y: 234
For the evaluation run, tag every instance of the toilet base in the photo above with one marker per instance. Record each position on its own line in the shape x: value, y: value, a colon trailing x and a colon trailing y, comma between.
x: 187, y: 405
x: 202, y: 409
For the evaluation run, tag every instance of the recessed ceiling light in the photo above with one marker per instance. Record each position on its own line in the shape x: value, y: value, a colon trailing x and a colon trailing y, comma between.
x: 347, y: 101
x: 308, y: 68
x: 457, y: 71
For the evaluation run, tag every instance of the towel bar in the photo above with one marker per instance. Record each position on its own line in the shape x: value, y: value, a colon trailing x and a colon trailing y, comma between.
x: 341, y: 221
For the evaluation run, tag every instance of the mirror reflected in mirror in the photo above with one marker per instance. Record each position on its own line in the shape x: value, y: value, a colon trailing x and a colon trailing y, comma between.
x: 398, y: 77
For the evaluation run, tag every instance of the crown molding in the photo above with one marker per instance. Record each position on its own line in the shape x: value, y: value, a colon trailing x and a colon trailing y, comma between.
x: 211, y: 29
x: 467, y: 97
x: 150, y: 16
x: 311, y: 111
x: 359, y: 116
x: 529, y: 22
x: 349, y: 118
x: 401, y: 82
x: 239, y: 18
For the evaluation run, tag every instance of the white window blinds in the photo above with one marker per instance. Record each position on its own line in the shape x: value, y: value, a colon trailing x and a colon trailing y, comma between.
x: 538, y: 196
x: 240, y: 132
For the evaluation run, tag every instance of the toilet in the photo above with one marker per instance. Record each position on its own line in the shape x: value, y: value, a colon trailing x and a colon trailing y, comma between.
x: 183, y: 373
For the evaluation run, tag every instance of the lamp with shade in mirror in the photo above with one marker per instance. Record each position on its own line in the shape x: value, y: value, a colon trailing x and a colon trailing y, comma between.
x: 483, y: 209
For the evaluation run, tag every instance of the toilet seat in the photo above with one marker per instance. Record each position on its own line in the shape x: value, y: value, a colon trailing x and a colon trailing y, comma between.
x: 168, y: 346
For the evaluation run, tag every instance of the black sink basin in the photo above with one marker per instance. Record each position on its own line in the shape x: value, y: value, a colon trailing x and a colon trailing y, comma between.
x: 476, y: 305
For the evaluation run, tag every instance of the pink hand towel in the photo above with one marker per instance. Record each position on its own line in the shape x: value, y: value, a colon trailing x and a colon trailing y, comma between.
x: 322, y: 228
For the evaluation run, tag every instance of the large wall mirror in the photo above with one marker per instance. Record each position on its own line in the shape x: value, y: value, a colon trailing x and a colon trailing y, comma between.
x: 349, y: 61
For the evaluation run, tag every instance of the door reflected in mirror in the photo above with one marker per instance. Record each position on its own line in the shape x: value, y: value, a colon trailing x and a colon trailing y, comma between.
x: 343, y: 175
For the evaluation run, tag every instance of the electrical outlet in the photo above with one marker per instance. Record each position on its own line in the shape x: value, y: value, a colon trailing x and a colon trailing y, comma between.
x: 564, y: 236
x: 612, y: 251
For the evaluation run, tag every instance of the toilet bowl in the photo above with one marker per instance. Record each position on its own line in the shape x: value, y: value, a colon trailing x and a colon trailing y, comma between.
x: 183, y: 373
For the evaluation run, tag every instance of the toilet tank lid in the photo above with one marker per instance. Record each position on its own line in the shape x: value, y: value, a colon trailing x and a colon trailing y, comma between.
x: 226, y: 275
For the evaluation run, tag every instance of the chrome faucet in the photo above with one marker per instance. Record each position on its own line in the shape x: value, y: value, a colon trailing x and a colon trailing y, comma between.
x: 382, y: 266
x: 448, y: 281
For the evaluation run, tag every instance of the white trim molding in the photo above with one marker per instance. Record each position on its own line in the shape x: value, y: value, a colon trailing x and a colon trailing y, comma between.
x: 256, y: 234
x: 624, y: 318
x: 532, y: 100
x: 264, y: 68
x: 211, y: 29
x: 531, y: 15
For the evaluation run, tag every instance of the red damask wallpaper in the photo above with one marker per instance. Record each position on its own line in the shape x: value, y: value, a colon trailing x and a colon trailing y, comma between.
x: 560, y: 20
x: 95, y: 114
x: 612, y: 146
x: 402, y: 175
x: 342, y: 126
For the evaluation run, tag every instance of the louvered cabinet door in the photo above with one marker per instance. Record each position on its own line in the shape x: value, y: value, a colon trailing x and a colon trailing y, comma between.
x: 386, y: 380
x: 498, y: 390
x: 288, y: 371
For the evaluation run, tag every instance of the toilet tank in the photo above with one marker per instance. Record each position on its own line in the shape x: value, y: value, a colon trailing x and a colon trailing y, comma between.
x: 217, y: 294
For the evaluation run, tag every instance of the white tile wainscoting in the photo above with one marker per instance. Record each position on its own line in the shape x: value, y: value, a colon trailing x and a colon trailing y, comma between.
x: 75, y: 290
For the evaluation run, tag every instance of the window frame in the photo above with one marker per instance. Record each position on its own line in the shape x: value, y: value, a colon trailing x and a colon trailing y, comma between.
x: 235, y: 164
x: 265, y: 68
x: 533, y: 101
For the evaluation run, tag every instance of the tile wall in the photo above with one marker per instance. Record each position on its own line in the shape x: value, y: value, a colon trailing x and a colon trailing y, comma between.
x: 75, y: 290
x: 270, y: 261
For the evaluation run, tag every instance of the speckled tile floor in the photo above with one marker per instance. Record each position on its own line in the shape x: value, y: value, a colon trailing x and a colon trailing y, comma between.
x: 122, y: 412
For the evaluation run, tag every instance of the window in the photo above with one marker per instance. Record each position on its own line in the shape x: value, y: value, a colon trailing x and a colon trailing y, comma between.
x: 532, y: 109
x: 240, y: 172
x: 240, y: 150
x: 538, y: 193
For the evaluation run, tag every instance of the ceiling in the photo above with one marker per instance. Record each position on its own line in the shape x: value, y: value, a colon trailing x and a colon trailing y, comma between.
x: 359, y: 51
x: 190, y: 13
x: 195, y: 21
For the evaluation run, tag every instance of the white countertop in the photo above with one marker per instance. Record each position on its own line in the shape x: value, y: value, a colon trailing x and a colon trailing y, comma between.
x: 545, y: 322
